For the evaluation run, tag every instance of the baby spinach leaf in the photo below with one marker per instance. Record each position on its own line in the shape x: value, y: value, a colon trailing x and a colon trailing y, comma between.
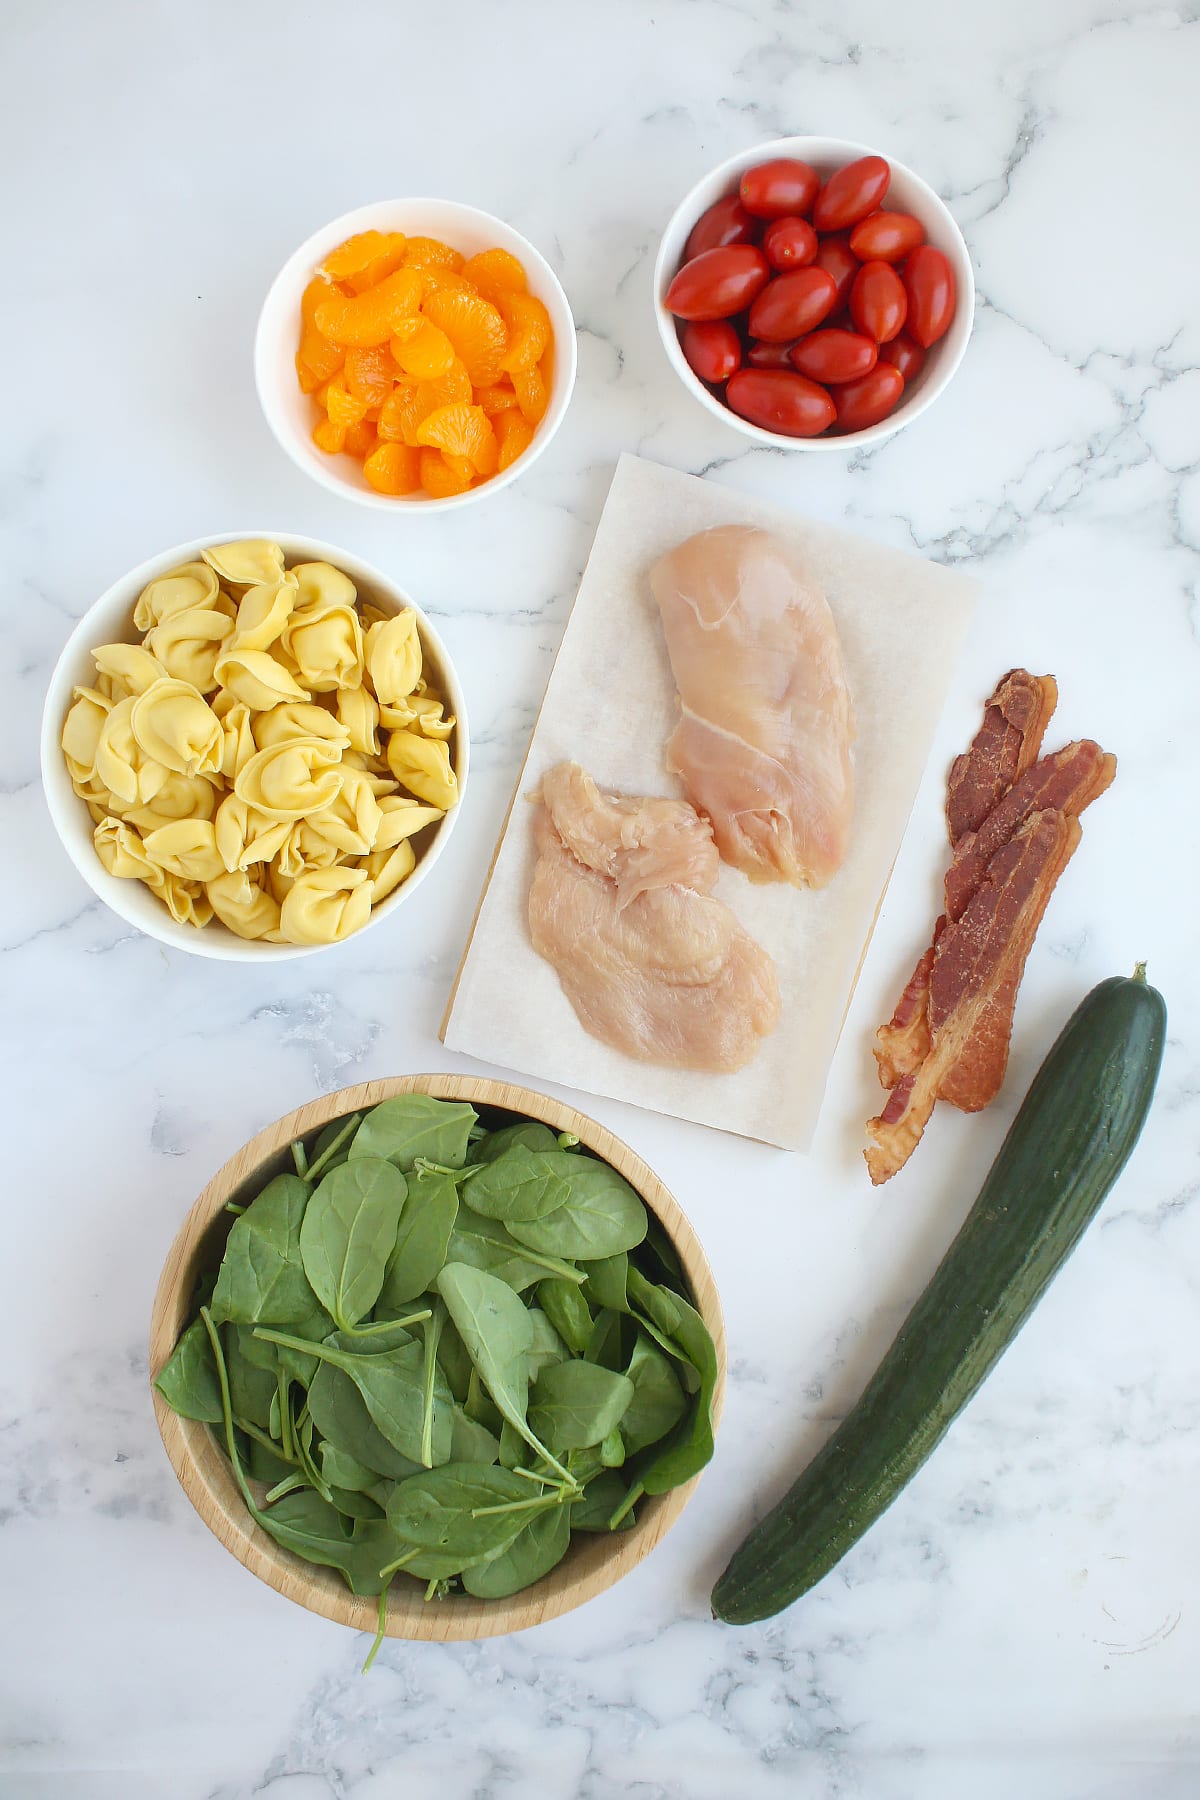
x: 266, y: 1465
x: 530, y: 1134
x: 472, y: 1442
x: 412, y: 1125
x: 603, y: 1215
x: 658, y: 1400
x: 332, y: 1147
x: 547, y: 1347
x: 261, y: 1279
x: 689, y: 1446
x: 348, y: 1233
x: 341, y: 1470
x: 513, y: 1448
x: 461, y: 1510
x: 567, y: 1310
x: 341, y: 1416
x: 575, y: 1404
x: 601, y: 1498
x: 252, y: 1389
x: 533, y: 1553
x: 517, y: 1186
x: 310, y: 1527
x: 457, y: 1368
x: 495, y: 1327
x: 354, y: 1504
x: 485, y: 1244
x: 607, y: 1281
x: 422, y: 1241
x: 604, y: 1345
x: 479, y: 1407
x: 657, y: 1256
x: 392, y: 1387
x: 612, y: 1448
x: 188, y: 1381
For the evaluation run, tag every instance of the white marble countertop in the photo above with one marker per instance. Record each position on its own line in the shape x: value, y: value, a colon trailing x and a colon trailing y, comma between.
x: 1024, y: 1620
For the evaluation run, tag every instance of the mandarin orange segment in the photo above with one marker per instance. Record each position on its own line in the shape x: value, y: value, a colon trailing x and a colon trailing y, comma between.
x: 367, y: 319
x: 423, y: 251
x: 498, y: 398
x: 475, y: 329
x: 439, y: 479
x: 370, y: 373
x: 329, y: 437
x: 531, y: 393
x: 344, y: 408
x: 365, y: 258
x: 494, y: 272
x: 393, y: 469
x: 514, y: 434
x: 426, y: 354
x: 319, y: 357
x: 361, y: 439
x: 443, y: 390
x: 400, y: 414
x: 461, y: 430
x: 528, y: 325
x: 439, y: 280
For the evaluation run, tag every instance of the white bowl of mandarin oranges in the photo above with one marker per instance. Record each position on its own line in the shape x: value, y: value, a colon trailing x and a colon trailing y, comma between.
x: 415, y: 354
x: 253, y: 747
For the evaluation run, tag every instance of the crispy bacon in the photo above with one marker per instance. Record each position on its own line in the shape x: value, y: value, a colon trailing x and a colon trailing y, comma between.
x: 1014, y: 724
x: 977, y: 970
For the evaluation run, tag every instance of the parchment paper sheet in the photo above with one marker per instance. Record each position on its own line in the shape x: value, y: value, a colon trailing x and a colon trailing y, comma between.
x: 610, y: 705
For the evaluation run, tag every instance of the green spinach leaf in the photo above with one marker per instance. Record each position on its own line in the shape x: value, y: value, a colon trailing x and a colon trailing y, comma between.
x: 547, y: 1347
x: 567, y: 1310
x: 689, y: 1446
x: 658, y: 1400
x: 261, y: 1279
x: 530, y: 1134
x: 517, y: 1186
x: 188, y: 1381
x: 575, y: 1404
x: 422, y: 1240
x: 348, y: 1233
x: 533, y: 1553
x: 461, y: 1510
x: 412, y: 1125
x: 602, y: 1217
x: 601, y: 1498
x: 391, y: 1384
x: 310, y: 1527
x: 607, y: 1282
x: 486, y: 1244
x: 251, y: 1387
x: 341, y: 1470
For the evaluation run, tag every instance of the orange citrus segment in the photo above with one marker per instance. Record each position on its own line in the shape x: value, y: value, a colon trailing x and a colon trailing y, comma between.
x: 422, y: 251
x: 399, y: 415
x: 528, y: 330
x: 461, y: 430
x: 368, y: 319
x: 531, y: 393
x: 370, y: 374
x: 514, y: 434
x: 494, y: 272
x: 427, y: 353
x: 365, y: 258
x: 439, y: 479
x: 475, y: 329
x: 329, y: 437
x: 393, y: 469
x: 343, y: 407
x: 496, y: 399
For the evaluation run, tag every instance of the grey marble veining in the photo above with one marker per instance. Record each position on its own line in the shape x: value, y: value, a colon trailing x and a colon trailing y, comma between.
x: 1024, y: 1620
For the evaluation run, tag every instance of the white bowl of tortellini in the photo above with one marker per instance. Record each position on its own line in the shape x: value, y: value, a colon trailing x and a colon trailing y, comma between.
x: 254, y: 747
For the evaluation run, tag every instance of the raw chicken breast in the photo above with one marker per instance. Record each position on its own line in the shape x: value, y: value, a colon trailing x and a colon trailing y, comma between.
x: 763, y: 740
x: 619, y: 907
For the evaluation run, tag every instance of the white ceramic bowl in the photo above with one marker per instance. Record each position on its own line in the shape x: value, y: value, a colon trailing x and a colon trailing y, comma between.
x: 291, y: 414
x: 109, y: 621
x: 907, y: 193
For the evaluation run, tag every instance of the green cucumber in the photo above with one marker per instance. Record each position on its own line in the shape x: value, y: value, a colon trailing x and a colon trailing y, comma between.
x: 1064, y: 1150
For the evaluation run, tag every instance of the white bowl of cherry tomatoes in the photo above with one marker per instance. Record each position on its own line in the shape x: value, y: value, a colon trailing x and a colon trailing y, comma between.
x: 814, y: 294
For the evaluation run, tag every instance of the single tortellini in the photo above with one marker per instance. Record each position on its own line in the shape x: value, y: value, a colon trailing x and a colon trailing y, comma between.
x: 81, y: 733
x: 129, y: 667
x: 325, y: 645
x: 393, y: 656
x: 248, y: 909
x: 422, y: 765
x: 291, y: 780
x: 263, y: 613
x: 175, y: 724
x: 256, y: 678
x: 123, y: 853
x: 306, y: 848
x: 186, y: 901
x: 352, y: 822
x: 388, y: 868
x: 179, y: 797
x: 237, y: 727
x: 187, y: 848
x: 358, y: 711
x: 249, y: 563
x: 244, y: 835
x: 190, y: 585
x: 189, y: 643
x: 298, y: 719
x: 125, y: 767
x: 323, y: 906
x: 321, y: 586
x: 402, y: 818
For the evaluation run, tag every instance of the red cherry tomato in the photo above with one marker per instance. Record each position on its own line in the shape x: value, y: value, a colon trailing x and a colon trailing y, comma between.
x: 878, y: 302
x: 930, y: 286
x: 775, y: 189
x: 718, y: 283
x: 789, y: 243
x: 871, y: 398
x: 725, y: 222
x: 905, y: 354
x: 836, y: 257
x: 780, y: 401
x: 886, y: 236
x: 833, y: 356
x: 713, y: 349
x: 769, y: 356
x: 791, y: 305
x: 851, y: 194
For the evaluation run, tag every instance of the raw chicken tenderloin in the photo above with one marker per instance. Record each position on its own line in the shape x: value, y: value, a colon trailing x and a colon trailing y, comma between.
x: 766, y: 723
x: 652, y: 966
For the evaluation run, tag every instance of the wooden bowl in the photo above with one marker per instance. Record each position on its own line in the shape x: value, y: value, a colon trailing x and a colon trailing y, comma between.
x: 593, y: 1562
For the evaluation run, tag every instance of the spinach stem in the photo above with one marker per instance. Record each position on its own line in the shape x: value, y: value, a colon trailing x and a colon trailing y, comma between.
x: 380, y: 1630
x: 227, y: 1415
x: 383, y: 1324
x: 628, y: 1503
x: 231, y: 1206
x: 285, y: 1418
x: 300, y: 1158
x: 401, y: 1562
x: 261, y: 1437
x: 433, y: 1332
x: 511, y: 1506
x: 331, y: 1149
x: 286, y: 1486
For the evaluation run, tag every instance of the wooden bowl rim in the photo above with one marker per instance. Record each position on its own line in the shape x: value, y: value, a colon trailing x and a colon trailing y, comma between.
x: 594, y: 1563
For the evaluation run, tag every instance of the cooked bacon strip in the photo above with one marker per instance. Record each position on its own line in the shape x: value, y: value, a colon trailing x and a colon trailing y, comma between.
x: 977, y: 969
x: 1014, y: 724
x: 1007, y: 742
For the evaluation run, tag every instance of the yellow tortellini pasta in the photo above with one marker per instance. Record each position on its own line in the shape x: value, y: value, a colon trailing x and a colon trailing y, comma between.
x: 269, y: 750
